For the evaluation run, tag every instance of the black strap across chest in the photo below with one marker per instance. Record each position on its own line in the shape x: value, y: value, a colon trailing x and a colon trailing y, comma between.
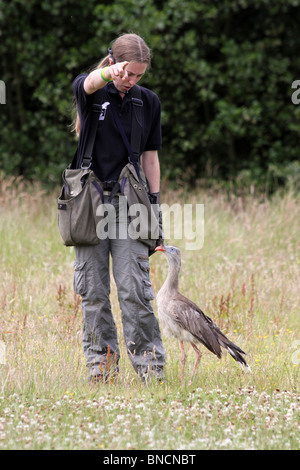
x: 133, y: 148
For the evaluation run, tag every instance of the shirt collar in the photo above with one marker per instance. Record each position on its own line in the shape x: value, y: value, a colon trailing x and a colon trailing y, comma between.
x: 112, y: 89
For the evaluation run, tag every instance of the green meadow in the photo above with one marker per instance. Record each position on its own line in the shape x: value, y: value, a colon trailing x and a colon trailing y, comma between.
x: 246, y: 277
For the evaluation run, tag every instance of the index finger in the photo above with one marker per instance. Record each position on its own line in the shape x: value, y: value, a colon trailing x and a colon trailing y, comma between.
x: 124, y: 65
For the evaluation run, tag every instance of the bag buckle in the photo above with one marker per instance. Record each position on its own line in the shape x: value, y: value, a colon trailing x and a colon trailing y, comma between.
x: 84, y: 166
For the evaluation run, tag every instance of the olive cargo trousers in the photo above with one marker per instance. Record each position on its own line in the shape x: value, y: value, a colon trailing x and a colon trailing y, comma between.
x: 141, y: 331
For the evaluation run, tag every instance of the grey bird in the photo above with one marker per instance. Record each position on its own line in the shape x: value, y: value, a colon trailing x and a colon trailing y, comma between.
x: 182, y: 319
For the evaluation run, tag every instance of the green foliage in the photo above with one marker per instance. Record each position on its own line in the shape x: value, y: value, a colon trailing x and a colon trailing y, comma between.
x: 223, y: 71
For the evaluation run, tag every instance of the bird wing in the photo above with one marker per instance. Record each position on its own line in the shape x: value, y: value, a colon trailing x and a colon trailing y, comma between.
x: 191, y: 318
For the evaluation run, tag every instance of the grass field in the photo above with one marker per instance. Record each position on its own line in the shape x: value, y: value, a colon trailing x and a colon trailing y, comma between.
x: 246, y: 277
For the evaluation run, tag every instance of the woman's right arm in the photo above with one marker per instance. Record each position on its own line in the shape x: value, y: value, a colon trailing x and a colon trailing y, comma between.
x: 94, y: 81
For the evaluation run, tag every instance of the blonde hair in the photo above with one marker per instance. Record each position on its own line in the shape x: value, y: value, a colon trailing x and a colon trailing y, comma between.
x: 128, y: 47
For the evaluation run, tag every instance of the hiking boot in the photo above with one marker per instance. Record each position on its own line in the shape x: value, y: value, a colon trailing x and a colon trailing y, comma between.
x: 104, y: 376
x: 147, y: 374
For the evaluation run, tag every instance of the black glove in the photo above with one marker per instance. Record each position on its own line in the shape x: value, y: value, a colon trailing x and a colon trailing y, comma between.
x: 155, y: 199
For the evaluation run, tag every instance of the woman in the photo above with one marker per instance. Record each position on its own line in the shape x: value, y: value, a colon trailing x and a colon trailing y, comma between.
x: 110, y: 84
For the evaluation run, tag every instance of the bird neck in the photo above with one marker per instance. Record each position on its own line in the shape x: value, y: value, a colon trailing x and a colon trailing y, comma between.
x: 171, y: 283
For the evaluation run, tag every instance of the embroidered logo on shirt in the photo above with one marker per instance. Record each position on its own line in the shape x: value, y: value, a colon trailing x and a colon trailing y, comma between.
x: 103, y: 110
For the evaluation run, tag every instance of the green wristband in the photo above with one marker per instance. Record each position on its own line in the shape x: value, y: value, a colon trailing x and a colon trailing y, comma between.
x: 102, y: 76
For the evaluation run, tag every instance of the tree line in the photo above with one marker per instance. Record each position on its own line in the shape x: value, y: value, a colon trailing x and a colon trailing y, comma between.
x: 223, y: 70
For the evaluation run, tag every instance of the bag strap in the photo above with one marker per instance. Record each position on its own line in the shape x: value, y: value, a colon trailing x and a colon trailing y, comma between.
x: 137, y: 131
x: 137, y: 120
x: 86, y: 161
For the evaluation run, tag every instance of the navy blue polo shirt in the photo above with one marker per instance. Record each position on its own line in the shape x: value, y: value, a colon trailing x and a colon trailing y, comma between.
x: 110, y: 154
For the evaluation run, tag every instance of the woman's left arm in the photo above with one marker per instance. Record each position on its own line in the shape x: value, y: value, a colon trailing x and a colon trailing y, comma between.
x: 151, y: 167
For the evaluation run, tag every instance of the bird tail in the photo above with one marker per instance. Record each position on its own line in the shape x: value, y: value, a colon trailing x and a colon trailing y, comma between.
x: 234, y: 351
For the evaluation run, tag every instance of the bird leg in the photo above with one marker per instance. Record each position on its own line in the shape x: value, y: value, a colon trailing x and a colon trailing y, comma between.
x: 182, y: 361
x: 196, y: 362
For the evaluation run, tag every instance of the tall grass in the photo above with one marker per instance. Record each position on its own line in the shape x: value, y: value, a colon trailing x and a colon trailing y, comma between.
x: 246, y: 277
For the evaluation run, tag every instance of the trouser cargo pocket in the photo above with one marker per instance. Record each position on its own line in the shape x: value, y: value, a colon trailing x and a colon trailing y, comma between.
x: 148, y: 291
x: 145, y: 271
x: 79, y: 280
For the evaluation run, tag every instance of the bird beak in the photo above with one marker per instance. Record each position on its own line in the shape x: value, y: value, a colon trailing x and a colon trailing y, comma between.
x: 159, y: 248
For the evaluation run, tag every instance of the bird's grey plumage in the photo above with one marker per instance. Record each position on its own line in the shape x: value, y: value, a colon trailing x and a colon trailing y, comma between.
x: 183, y: 319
